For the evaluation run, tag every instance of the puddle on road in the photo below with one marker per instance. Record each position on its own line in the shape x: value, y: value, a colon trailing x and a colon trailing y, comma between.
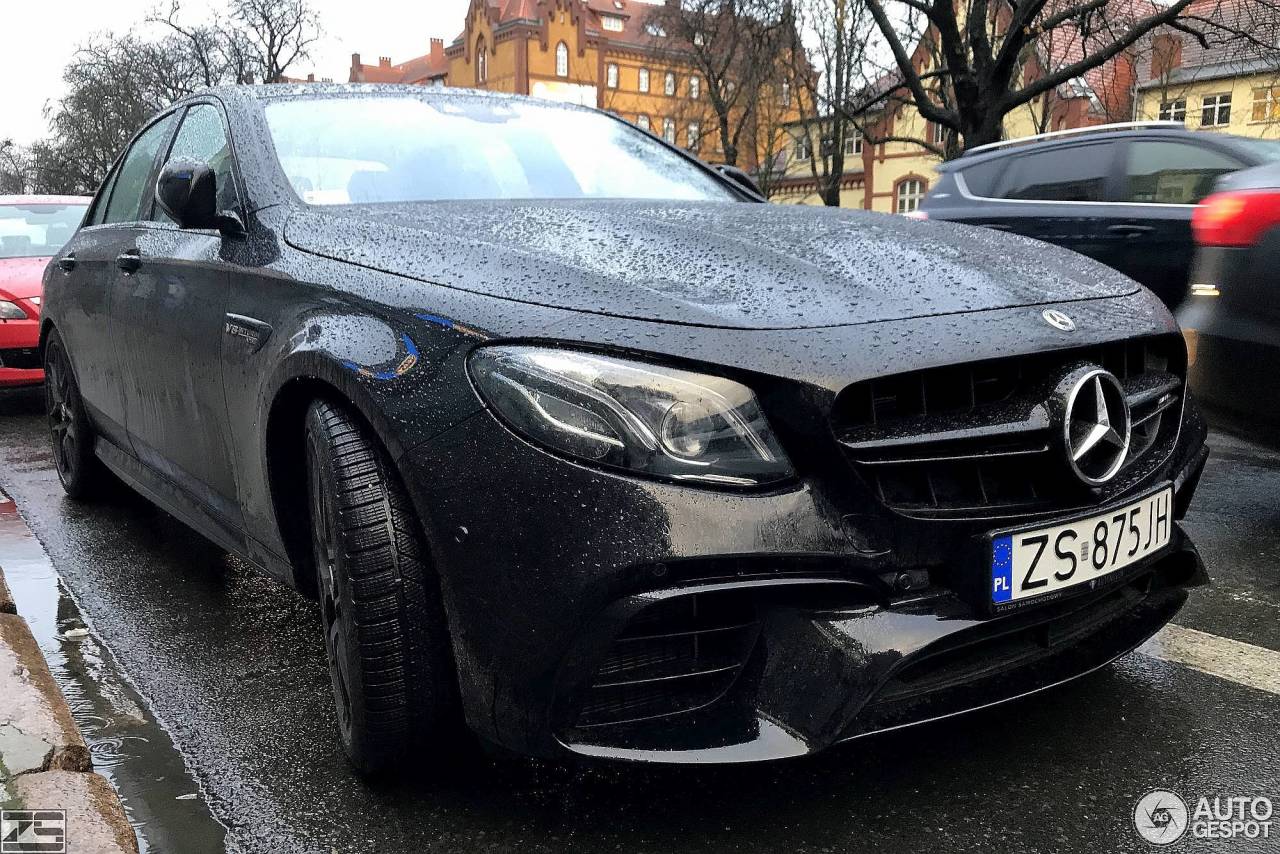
x: 129, y: 747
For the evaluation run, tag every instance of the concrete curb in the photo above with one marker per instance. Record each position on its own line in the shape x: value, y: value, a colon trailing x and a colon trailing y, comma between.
x: 44, y: 761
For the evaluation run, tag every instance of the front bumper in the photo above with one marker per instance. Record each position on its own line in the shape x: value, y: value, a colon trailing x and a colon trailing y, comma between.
x: 569, y: 584
x: 19, y: 353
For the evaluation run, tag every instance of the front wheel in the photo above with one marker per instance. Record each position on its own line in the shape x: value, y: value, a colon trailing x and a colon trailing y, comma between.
x: 80, y: 472
x: 389, y: 657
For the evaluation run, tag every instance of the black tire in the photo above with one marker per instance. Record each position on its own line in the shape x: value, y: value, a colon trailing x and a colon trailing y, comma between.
x: 390, y: 663
x: 82, y: 474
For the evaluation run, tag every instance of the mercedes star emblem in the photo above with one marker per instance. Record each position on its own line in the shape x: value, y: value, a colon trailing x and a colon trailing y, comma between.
x: 1096, y: 425
x: 1058, y: 319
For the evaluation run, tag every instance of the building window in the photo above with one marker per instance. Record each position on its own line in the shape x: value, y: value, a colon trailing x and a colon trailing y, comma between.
x: 853, y: 144
x: 804, y: 148
x: 482, y: 62
x: 699, y: 39
x: 669, y: 130
x: 655, y: 30
x: 1173, y: 111
x: 611, y: 75
x: 694, y: 139
x: 642, y: 122
x: 909, y: 195
x: 612, y: 24
x: 669, y: 84
x: 939, y: 134
x: 785, y: 95
x: 1266, y: 104
x: 695, y: 87
x: 562, y: 60
x: 643, y: 85
x: 1215, y: 110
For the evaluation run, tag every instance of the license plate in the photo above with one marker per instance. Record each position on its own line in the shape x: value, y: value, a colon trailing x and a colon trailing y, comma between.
x: 1026, y: 564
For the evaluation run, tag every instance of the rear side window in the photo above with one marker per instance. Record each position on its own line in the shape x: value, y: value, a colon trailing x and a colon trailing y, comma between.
x: 1075, y: 174
x: 981, y: 178
x: 131, y: 184
x: 1174, y: 173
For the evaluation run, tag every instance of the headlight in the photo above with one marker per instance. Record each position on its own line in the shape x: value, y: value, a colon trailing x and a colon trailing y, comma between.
x: 11, y: 311
x: 645, y: 418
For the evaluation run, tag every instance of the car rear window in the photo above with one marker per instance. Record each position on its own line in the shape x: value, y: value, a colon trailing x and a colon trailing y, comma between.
x: 1074, y: 174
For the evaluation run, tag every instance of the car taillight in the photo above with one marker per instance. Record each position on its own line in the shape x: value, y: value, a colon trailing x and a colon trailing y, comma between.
x: 1235, y: 218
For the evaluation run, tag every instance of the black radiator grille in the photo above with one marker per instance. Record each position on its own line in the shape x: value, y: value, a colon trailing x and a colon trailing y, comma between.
x: 980, y: 441
x: 675, y: 656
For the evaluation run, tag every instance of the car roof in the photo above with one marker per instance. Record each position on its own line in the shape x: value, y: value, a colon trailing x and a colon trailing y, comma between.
x: 45, y: 200
x: 1015, y: 148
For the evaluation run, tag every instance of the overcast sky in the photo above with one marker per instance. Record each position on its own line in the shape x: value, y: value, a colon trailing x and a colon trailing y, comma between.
x: 37, y: 39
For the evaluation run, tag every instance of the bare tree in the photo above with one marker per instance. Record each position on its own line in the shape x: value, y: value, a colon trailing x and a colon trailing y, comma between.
x: 277, y: 33
x: 982, y: 47
x: 220, y: 53
x: 15, y: 168
x: 734, y: 47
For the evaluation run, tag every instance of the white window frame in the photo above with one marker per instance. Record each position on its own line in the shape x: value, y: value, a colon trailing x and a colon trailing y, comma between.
x: 1173, y: 111
x: 642, y: 122
x: 908, y: 194
x: 562, y: 60
x: 642, y: 81
x: 611, y: 75
x: 1269, y: 97
x: 669, y: 84
x: 785, y: 95
x: 695, y: 87
x: 482, y: 62
x: 853, y: 144
x: 669, y: 130
x: 693, y: 136
x: 1220, y: 105
x: 612, y: 23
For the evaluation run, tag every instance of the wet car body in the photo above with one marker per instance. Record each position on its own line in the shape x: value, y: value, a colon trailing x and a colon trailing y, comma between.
x: 598, y: 611
x: 20, y: 278
x: 1232, y: 314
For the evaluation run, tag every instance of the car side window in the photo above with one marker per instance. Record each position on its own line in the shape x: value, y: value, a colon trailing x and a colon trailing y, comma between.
x: 132, y: 188
x: 1174, y: 173
x: 203, y: 137
x: 99, y: 212
x: 1076, y: 174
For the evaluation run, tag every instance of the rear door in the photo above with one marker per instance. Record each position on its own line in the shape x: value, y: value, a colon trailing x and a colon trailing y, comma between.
x: 89, y: 279
x: 1163, y: 181
x: 1056, y: 194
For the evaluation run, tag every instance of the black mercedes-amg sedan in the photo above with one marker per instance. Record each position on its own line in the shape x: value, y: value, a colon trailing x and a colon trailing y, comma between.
x: 582, y: 447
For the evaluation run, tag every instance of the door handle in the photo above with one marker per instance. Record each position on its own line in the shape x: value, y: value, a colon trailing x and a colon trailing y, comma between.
x: 129, y: 261
x: 1130, y: 229
x: 67, y: 262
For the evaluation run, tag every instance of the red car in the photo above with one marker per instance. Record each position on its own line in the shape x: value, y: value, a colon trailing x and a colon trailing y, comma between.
x: 32, y: 229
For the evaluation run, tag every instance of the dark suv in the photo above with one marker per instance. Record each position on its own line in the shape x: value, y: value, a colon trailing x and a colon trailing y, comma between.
x: 1122, y: 194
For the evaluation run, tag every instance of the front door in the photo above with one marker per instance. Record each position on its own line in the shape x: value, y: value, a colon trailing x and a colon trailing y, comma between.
x: 172, y: 302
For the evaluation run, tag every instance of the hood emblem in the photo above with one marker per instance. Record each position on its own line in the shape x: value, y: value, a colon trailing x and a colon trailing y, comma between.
x: 1096, y: 425
x: 1058, y: 319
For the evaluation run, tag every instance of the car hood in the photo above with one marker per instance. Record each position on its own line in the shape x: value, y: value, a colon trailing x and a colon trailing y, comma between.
x: 747, y: 266
x: 20, y: 277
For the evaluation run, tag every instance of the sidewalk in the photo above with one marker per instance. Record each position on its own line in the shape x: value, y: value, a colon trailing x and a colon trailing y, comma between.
x: 48, y: 790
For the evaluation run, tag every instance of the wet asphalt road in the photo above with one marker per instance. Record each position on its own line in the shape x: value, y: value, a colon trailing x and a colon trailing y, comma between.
x: 233, y: 666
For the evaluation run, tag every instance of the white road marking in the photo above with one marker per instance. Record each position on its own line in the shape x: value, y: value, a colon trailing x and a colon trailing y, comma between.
x: 1242, y: 663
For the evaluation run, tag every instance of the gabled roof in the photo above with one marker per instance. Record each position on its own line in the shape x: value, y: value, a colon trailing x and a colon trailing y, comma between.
x: 420, y: 69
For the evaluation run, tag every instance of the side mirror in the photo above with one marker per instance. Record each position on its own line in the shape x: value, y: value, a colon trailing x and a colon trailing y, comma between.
x: 187, y: 191
x: 739, y: 177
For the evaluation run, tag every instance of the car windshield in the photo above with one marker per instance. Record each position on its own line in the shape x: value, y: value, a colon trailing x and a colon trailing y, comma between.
x: 38, y: 229
x: 339, y: 151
